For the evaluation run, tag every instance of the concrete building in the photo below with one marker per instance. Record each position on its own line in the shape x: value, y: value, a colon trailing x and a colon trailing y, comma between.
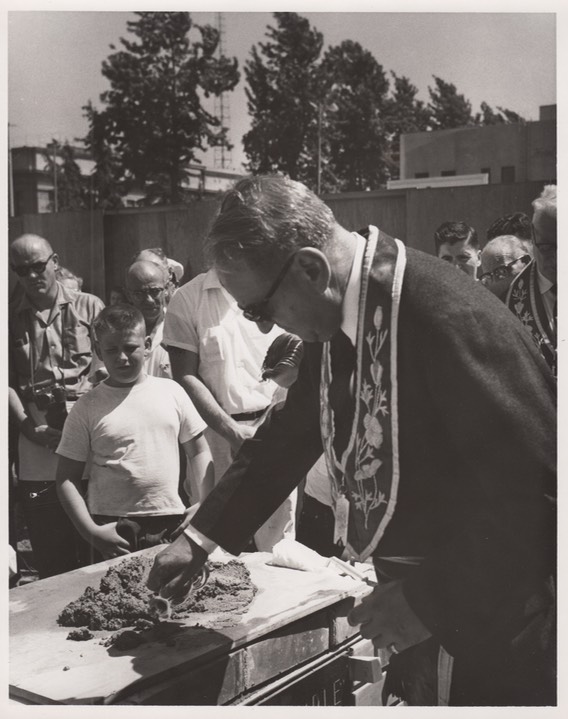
x: 33, y: 187
x: 507, y: 153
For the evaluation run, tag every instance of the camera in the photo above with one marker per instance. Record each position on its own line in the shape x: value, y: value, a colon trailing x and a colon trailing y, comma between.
x: 45, y: 397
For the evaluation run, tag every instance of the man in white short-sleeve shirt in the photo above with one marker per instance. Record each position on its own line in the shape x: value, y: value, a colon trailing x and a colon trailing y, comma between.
x: 216, y: 355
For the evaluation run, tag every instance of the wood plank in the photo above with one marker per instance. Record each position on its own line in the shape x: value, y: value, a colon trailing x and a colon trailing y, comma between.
x: 40, y: 652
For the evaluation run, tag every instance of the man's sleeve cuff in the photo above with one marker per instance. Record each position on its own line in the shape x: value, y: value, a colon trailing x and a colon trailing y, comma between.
x: 201, y: 540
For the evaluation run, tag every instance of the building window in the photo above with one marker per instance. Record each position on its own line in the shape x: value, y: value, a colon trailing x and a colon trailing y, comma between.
x: 487, y: 171
x: 448, y: 173
x: 45, y: 200
x: 508, y: 174
x: 421, y: 175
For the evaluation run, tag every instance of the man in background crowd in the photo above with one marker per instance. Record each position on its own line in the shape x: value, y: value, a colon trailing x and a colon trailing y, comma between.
x: 502, y: 259
x: 217, y: 355
x: 50, y: 360
x: 517, y: 224
x: 146, y: 285
x: 532, y: 295
x: 457, y: 244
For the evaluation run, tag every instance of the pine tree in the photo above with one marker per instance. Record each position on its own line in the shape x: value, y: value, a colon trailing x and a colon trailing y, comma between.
x: 153, y: 118
x: 106, y: 189
x: 355, y: 105
x: 448, y: 108
x: 281, y: 87
x: 405, y: 114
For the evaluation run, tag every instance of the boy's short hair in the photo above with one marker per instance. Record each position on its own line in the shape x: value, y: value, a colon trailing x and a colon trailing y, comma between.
x: 117, y: 318
x: 452, y: 232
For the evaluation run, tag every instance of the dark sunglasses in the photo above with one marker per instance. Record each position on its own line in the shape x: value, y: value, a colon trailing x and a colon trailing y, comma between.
x: 37, y: 268
x: 503, y: 271
x: 256, y: 311
x: 154, y: 292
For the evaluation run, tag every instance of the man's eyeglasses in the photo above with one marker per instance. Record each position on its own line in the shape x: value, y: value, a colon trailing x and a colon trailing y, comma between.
x: 256, y: 311
x: 154, y: 292
x: 503, y: 271
x: 37, y: 268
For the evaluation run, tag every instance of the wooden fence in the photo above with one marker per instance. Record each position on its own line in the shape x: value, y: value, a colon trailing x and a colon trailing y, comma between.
x: 98, y: 247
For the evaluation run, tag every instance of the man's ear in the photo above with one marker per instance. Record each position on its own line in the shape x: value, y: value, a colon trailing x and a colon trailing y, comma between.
x: 147, y: 345
x: 315, y: 268
x: 55, y: 259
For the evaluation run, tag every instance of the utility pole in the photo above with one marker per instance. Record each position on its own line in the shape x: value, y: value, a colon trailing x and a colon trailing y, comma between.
x: 319, y: 148
x: 10, y: 174
x: 55, y: 203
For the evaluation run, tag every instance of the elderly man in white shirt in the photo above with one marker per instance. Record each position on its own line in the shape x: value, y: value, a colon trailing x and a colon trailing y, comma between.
x: 216, y: 355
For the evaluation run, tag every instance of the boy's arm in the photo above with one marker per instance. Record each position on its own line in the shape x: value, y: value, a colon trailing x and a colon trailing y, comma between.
x: 68, y: 481
x: 200, y: 477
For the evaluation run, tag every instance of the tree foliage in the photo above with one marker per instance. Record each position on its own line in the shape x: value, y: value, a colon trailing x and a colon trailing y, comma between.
x: 448, y: 108
x: 154, y: 120
x: 354, y: 106
x: 281, y: 88
x: 336, y: 123
x: 405, y: 114
x: 488, y: 116
x: 70, y: 191
x: 105, y: 187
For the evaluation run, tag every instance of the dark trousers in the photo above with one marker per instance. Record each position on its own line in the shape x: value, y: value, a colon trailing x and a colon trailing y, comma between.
x: 316, y: 526
x: 139, y: 532
x: 57, y: 547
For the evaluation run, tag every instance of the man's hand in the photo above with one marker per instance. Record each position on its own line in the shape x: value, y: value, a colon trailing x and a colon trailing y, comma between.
x: 188, y: 514
x: 43, y: 434
x: 239, y: 434
x: 175, y: 568
x: 386, y: 618
x: 108, y: 541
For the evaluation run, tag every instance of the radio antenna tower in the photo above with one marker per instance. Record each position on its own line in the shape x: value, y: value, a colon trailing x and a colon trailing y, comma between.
x: 222, y: 109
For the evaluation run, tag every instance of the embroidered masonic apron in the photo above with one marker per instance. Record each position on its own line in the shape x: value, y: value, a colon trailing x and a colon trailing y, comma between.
x: 365, y: 476
x: 525, y: 301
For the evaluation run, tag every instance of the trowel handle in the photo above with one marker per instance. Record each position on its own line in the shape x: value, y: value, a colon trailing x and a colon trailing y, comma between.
x: 200, y: 579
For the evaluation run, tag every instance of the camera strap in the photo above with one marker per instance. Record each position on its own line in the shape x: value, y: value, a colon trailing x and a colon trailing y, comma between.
x: 64, y: 349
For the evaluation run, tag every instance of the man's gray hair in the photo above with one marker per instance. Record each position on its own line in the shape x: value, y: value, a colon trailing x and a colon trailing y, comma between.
x: 263, y: 219
x: 508, y: 244
x: 546, y: 202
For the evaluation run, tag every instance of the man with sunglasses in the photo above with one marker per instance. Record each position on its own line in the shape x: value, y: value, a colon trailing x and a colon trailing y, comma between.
x: 502, y: 259
x: 50, y: 361
x: 409, y: 368
x: 532, y: 295
x: 216, y: 354
x: 146, y: 286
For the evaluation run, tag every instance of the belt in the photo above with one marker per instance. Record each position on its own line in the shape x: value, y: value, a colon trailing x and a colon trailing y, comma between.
x: 243, y: 416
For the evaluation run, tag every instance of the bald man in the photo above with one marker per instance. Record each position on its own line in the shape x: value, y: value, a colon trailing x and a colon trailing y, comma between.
x: 147, y: 289
x: 50, y: 360
x: 502, y: 259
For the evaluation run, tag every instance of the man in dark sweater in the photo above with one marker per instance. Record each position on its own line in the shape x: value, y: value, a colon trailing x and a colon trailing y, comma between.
x: 437, y: 416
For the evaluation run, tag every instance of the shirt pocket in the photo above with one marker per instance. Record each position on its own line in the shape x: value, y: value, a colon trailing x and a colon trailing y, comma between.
x: 77, y: 343
x: 212, y: 346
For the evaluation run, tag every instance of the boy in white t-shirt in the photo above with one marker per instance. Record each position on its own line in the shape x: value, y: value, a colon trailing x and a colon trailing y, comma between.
x: 128, y: 428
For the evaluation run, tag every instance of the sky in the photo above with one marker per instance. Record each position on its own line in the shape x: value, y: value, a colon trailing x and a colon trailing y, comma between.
x: 505, y: 59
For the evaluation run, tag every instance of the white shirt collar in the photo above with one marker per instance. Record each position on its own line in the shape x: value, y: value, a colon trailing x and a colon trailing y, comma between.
x: 352, y: 291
